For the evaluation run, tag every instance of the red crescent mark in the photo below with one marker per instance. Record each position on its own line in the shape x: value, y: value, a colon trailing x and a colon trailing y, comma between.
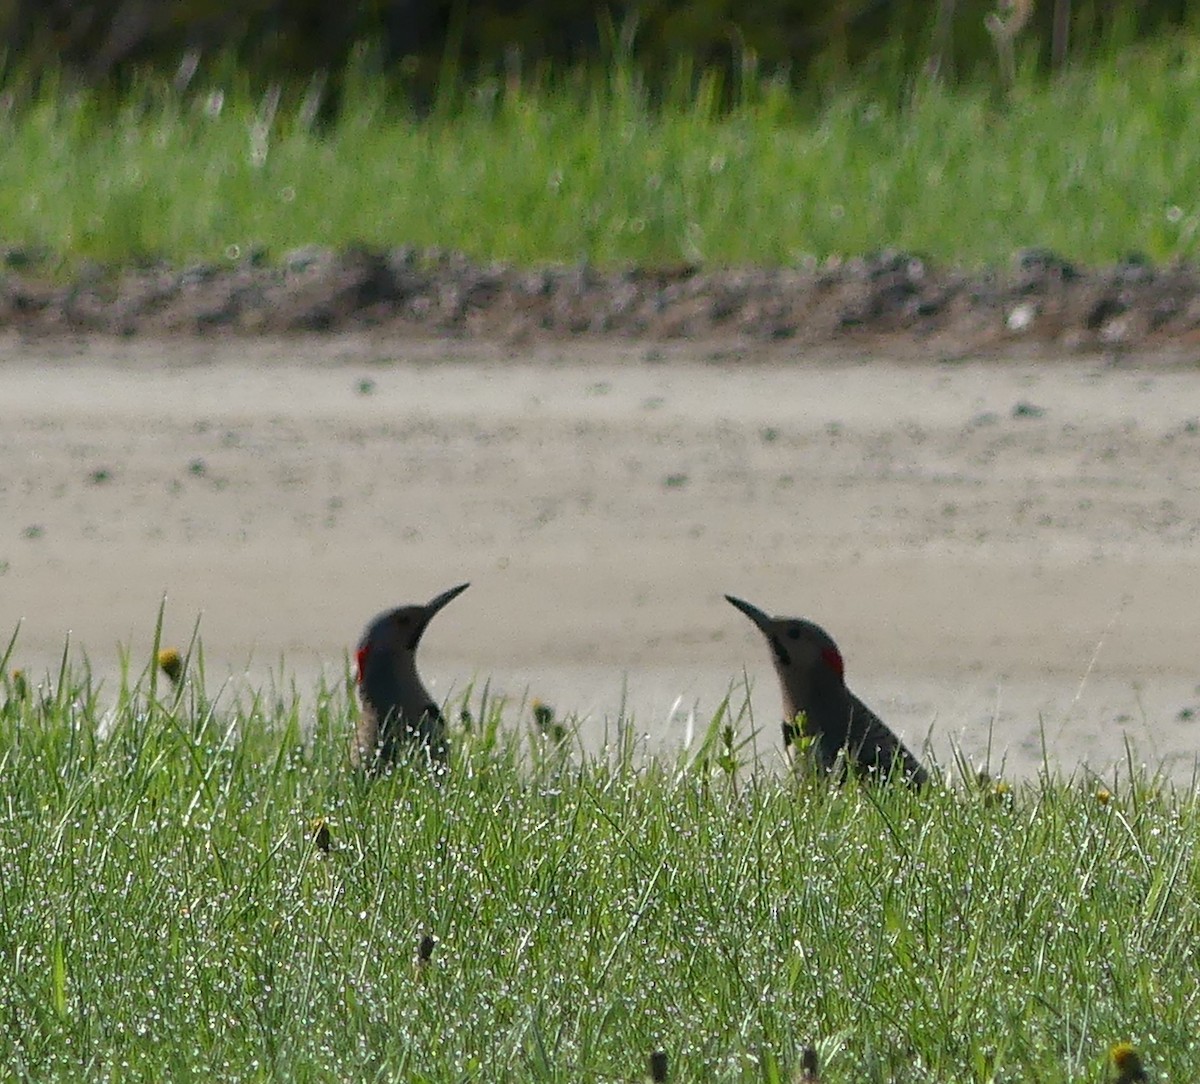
x: 360, y: 657
x: 833, y: 659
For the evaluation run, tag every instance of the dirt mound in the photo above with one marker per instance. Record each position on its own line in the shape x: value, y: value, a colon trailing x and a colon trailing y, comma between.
x: 1041, y: 300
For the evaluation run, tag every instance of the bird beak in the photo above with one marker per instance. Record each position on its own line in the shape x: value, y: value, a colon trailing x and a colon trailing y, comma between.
x: 432, y: 607
x: 435, y: 604
x: 762, y: 620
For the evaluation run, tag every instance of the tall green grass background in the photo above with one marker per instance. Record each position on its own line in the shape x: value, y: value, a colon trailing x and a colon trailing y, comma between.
x: 1100, y: 163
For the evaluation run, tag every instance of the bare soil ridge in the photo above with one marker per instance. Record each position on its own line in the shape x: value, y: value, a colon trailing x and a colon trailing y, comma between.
x: 1042, y: 300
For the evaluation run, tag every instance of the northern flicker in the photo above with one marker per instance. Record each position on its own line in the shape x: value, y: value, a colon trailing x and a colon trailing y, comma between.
x: 397, y: 712
x: 818, y: 705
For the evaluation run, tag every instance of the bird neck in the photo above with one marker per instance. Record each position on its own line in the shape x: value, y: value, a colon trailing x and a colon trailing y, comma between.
x: 817, y: 691
x: 394, y: 686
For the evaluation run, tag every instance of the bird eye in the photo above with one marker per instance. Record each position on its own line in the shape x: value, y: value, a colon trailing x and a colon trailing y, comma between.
x: 794, y: 632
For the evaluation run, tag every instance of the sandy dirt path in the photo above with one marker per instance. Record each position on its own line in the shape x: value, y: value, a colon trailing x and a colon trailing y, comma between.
x: 1007, y: 553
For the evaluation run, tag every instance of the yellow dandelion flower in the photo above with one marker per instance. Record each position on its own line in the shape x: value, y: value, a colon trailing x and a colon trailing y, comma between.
x: 1104, y: 796
x: 171, y: 664
x: 20, y: 685
x: 1127, y: 1063
x: 995, y: 792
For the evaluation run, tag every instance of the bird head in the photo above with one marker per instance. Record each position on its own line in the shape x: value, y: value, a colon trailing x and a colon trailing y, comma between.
x: 797, y: 645
x: 398, y: 631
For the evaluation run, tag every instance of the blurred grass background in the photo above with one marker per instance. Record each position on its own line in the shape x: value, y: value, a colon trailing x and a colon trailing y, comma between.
x: 810, y: 43
x: 1098, y: 164
x: 706, y: 133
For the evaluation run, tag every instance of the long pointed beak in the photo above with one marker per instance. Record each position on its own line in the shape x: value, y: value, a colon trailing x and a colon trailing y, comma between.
x: 432, y: 607
x: 762, y: 620
x: 435, y: 604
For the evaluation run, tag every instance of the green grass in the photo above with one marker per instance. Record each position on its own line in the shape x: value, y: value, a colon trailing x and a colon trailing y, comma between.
x: 1096, y: 165
x: 167, y: 913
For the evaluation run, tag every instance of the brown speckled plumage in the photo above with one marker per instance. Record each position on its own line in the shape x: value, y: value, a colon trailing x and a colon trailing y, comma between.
x: 811, y: 676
